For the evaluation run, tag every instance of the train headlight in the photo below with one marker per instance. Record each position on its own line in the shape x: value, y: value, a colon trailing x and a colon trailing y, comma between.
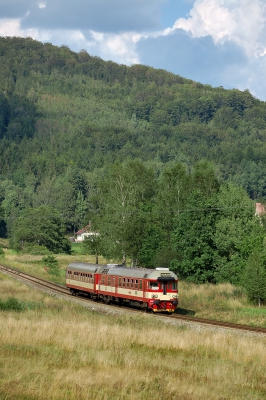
x: 154, y: 296
x: 174, y: 296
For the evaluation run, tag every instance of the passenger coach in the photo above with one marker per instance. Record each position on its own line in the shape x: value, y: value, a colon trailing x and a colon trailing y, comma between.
x: 152, y: 289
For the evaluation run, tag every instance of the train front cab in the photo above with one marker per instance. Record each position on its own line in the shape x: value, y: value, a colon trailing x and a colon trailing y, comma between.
x: 163, y: 294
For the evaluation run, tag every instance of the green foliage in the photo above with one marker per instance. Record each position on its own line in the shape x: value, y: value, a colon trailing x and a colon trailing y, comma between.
x: 254, y: 278
x: 140, y: 152
x: 51, y: 263
x: 92, y: 245
x: 193, y: 239
x: 41, y: 226
x: 35, y: 249
x: 11, y: 304
x: 237, y: 233
x: 124, y: 196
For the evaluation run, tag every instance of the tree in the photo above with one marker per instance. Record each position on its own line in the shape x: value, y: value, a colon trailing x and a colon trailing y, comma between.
x: 124, y: 196
x: 254, y: 278
x: 193, y: 239
x: 194, y: 226
x: 171, y: 197
x: 92, y: 245
x: 237, y: 233
x: 40, y: 226
x: 3, y: 230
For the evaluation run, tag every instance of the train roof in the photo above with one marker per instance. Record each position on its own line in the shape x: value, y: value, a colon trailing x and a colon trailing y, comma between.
x: 121, y: 270
x: 83, y: 266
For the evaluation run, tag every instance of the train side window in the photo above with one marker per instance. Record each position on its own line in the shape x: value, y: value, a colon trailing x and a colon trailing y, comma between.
x: 120, y: 282
x: 128, y: 283
x: 136, y: 284
x: 124, y: 282
x: 109, y: 280
x: 103, y: 279
x: 132, y: 283
x: 174, y: 285
x: 140, y: 284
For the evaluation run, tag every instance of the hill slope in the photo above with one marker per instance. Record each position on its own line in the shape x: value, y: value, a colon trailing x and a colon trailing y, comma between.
x: 59, y: 107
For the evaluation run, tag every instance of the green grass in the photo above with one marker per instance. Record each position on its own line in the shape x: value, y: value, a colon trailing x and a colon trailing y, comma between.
x: 252, y: 311
x: 76, y: 248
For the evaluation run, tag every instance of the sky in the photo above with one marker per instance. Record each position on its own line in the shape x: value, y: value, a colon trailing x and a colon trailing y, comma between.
x: 215, y: 42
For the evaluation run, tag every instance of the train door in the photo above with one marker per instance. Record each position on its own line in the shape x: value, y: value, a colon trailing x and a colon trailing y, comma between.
x: 164, y: 287
x: 114, y: 285
x: 145, y: 284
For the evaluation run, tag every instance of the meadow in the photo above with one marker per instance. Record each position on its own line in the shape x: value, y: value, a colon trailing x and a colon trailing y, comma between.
x: 223, y: 302
x: 52, y: 349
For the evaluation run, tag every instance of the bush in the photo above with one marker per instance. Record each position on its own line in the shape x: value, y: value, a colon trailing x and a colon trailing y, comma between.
x: 2, y: 253
x: 12, y: 304
x: 36, y: 250
x: 51, y: 263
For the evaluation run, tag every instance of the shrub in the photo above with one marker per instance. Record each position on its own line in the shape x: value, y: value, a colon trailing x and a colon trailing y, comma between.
x: 12, y: 304
x: 36, y: 250
x: 51, y: 263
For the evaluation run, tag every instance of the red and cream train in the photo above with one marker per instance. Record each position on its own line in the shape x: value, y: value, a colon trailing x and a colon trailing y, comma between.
x: 152, y: 289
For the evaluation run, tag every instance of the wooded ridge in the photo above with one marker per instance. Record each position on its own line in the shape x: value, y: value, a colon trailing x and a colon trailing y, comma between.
x: 131, y: 149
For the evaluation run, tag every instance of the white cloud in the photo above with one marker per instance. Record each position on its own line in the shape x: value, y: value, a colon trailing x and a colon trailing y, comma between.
x: 12, y: 27
x: 240, y: 21
x: 42, y: 5
x: 119, y: 48
x: 9, y: 27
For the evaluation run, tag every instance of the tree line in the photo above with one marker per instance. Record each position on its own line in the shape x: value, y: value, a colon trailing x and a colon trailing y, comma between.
x: 203, y: 229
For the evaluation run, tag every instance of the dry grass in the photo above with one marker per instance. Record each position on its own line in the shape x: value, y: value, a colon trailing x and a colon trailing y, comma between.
x: 59, y: 350
x: 223, y: 302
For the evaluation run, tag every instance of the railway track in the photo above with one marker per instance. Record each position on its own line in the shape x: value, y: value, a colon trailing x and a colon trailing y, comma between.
x: 33, y: 279
x: 61, y: 290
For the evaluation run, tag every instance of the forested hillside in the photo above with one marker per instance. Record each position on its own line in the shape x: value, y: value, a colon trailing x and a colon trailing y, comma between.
x: 68, y: 120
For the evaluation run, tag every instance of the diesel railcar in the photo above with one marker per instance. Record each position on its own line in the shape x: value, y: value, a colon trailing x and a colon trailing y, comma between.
x: 152, y: 289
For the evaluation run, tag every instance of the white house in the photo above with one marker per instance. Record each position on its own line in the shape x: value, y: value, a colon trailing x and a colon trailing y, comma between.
x: 85, y: 232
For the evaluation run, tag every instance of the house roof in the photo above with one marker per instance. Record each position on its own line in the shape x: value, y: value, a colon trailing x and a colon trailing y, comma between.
x: 83, y: 229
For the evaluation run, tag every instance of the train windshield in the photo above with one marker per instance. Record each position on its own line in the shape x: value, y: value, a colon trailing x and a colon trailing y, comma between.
x: 168, y: 286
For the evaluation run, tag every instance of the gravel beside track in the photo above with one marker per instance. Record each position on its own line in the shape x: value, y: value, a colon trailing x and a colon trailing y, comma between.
x: 61, y: 292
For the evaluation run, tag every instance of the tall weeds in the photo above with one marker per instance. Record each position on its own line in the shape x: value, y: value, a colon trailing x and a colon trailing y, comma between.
x: 63, y: 351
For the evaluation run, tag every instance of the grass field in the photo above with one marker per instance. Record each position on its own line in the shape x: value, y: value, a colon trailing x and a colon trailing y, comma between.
x: 58, y: 350
x: 224, y: 302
